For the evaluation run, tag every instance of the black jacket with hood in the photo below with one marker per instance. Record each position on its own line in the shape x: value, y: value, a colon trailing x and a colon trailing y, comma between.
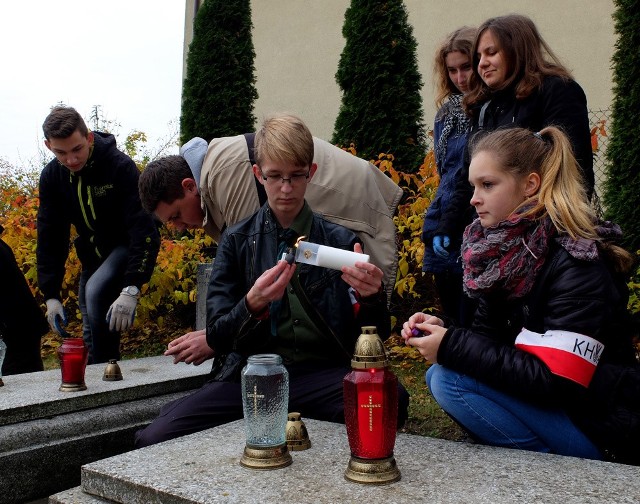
x: 102, y: 203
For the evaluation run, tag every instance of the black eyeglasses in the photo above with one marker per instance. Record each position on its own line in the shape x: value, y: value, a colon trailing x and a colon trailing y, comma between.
x: 294, y: 178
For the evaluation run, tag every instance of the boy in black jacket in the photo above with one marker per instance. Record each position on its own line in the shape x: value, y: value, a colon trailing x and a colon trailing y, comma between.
x: 94, y: 186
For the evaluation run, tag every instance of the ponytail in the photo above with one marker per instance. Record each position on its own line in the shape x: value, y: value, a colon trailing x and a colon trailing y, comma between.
x: 562, y: 195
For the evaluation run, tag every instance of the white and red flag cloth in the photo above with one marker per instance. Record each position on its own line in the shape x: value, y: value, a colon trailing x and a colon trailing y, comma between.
x: 568, y: 354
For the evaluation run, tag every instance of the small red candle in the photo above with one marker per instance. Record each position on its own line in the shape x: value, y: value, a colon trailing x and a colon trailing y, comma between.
x: 73, y: 355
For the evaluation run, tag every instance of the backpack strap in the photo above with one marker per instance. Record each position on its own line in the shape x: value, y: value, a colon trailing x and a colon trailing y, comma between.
x: 262, y: 194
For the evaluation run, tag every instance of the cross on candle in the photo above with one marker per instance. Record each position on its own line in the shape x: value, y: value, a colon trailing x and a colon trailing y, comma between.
x: 370, y: 406
x: 255, y: 396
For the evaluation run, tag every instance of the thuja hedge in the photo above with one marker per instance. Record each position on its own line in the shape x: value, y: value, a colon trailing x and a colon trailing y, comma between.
x: 173, y: 283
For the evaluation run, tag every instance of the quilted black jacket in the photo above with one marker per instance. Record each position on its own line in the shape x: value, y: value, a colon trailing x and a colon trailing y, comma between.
x: 569, y: 294
x: 249, y: 248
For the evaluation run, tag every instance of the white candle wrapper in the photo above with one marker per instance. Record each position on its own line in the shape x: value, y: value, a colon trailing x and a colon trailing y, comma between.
x: 327, y: 257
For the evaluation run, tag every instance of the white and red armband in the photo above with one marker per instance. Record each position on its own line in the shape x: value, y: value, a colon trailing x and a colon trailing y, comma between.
x: 568, y: 354
x: 354, y: 295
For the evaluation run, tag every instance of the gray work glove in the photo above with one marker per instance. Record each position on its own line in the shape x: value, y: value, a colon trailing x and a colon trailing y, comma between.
x: 123, y: 310
x: 56, y: 317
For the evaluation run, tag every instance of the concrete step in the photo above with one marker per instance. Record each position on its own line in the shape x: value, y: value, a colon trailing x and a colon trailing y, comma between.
x: 47, y: 435
x: 204, y: 468
x: 75, y: 496
x: 35, y: 395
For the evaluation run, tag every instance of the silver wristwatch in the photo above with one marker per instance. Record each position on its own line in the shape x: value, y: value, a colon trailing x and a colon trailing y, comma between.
x: 132, y: 290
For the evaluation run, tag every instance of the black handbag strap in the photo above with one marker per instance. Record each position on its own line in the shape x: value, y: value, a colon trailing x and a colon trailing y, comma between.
x: 262, y: 195
x: 316, y: 318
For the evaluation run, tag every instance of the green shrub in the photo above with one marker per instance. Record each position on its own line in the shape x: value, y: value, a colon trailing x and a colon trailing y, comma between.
x: 381, y: 109
x: 219, y: 88
x: 622, y: 189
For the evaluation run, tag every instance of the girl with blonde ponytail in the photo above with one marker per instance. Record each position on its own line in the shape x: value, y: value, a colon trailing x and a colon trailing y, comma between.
x: 534, y: 369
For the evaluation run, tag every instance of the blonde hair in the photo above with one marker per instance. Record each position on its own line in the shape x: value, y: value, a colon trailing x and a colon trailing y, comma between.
x: 562, y: 193
x: 460, y: 41
x: 284, y: 138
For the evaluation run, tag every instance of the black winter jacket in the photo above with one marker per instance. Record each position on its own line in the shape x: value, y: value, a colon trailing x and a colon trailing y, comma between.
x: 22, y: 322
x: 557, y: 103
x: 103, y: 204
x: 247, y: 250
x: 569, y: 294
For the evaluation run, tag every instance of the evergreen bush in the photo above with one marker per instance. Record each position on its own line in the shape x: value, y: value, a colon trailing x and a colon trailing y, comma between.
x: 622, y: 188
x: 381, y: 109
x: 219, y: 89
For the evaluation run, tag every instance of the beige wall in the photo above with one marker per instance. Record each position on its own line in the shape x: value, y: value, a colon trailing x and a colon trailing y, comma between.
x: 298, y: 45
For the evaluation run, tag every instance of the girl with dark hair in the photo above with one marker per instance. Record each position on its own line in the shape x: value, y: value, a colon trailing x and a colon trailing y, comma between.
x: 518, y: 81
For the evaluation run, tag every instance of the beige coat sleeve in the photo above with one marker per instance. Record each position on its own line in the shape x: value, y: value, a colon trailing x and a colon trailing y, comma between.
x: 352, y: 192
x: 227, y: 186
x: 345, y: 189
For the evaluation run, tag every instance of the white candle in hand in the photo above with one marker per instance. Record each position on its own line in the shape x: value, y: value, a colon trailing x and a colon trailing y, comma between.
x: 327, y: 257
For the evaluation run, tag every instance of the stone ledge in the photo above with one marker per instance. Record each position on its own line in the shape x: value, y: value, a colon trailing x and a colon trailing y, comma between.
x: 76, y: 496
x: 41, y: 457
x: 204, y: 468
x: 35, y: 395
x: 47, y: 435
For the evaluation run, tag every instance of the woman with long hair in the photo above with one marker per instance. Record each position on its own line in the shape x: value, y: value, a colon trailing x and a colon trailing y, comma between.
x: 452, y: 69
x: 518, y: 81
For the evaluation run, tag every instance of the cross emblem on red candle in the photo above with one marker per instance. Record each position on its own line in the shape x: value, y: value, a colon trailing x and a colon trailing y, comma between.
x: 370, y: 406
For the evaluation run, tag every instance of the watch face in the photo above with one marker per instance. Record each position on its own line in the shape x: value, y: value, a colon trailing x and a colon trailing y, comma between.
x: 133, y: 290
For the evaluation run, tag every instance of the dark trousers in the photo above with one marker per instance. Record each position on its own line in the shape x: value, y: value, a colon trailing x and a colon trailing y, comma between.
x: 456, y: 305
x: 22, y: 322
x: 315, y: 394
x: 97, y: 290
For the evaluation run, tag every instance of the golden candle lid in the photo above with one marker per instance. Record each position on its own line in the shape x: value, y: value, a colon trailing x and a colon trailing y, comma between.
x: 112, y: 372
x: 296, y: 432
x: 369, y: 352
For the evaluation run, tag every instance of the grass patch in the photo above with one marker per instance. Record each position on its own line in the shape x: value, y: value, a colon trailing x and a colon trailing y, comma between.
x: 426, y: 418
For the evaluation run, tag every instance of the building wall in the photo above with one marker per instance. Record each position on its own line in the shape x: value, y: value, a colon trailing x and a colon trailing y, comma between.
x: 298, y: 45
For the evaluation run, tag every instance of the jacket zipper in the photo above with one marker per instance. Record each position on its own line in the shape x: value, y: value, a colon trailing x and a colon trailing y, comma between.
x: 84, y: 212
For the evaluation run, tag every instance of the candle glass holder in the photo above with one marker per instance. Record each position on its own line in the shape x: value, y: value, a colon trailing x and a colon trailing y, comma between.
x: 265, y: 398
x: 73, y: 355
x: 371, y: 412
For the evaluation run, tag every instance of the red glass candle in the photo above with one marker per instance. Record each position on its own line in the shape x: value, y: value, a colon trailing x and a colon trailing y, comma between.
x: 371, y: 411
x: 73, y: 355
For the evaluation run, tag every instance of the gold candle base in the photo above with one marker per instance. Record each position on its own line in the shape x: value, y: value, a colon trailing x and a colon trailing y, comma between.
x: 372, y: 471
x: 72, y: 387
x: 266, y: 457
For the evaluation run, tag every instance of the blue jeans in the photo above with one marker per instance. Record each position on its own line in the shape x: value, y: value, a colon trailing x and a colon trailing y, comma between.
x: 98, y: 289
x: 499, y: 419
